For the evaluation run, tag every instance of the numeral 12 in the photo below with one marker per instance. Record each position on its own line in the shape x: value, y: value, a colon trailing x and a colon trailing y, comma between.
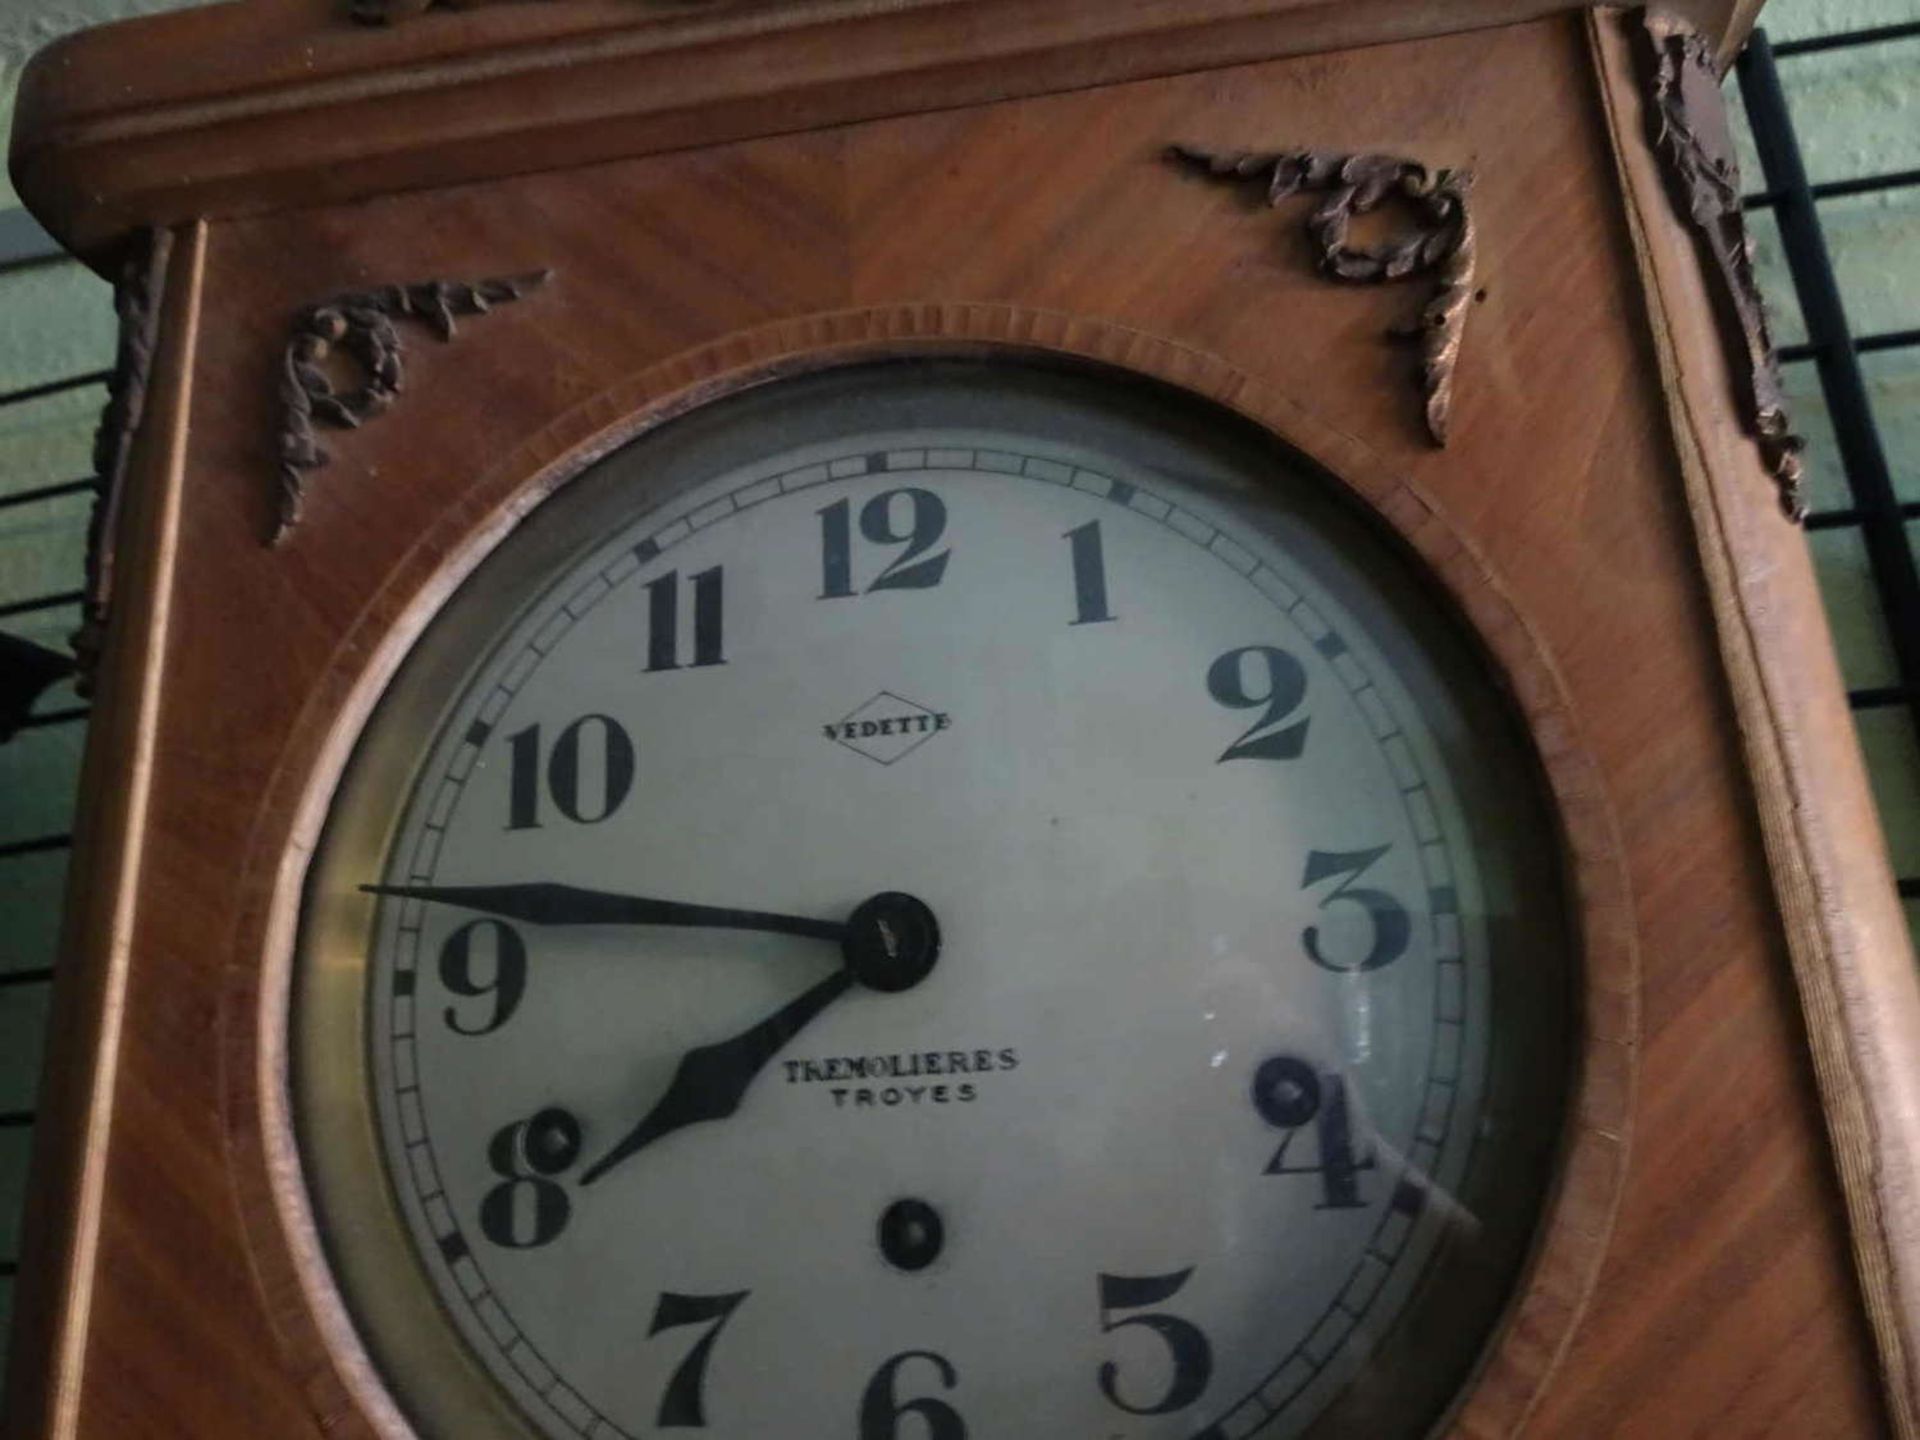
x: 913, y: 569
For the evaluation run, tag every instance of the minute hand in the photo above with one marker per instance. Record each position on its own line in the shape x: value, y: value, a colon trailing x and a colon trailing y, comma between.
x: 545, y: 903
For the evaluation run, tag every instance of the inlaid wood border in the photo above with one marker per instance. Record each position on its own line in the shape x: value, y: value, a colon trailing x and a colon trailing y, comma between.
x: 323, y: 1351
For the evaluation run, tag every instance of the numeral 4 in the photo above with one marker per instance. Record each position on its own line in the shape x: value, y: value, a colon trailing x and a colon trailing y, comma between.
x: 1290, y: 1094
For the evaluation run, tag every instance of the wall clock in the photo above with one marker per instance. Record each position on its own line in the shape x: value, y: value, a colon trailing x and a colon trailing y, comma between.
x: 966, y: 1009
x: 850, y: 756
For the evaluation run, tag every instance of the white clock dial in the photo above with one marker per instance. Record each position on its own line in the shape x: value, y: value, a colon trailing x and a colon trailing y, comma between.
x: 957, y: 912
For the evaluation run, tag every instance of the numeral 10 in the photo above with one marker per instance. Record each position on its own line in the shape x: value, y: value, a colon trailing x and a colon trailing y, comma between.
x: 588, y: 774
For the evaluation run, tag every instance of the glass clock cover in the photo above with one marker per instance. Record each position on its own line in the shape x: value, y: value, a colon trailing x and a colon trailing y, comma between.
x: 936, y: 899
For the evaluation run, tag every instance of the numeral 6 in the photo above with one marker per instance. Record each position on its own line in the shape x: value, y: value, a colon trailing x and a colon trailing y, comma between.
x: 880, y: 1412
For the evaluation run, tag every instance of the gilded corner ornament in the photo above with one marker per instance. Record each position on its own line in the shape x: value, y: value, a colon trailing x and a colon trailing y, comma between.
x: 1688, y: 120
x: 136, y: 301
x: 1440, y: 244
x: 360, y: 325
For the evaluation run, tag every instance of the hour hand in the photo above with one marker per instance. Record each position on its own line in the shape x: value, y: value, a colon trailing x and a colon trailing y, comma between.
x: 710, y: 1082
x: 890, y: 944
x: 546, y: 903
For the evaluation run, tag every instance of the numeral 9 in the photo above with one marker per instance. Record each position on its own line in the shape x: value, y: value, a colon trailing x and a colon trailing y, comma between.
x: 507, y: 980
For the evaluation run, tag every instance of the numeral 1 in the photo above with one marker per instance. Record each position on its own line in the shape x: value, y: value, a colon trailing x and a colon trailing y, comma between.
x: 663, y: 620
x: 1089, y: 575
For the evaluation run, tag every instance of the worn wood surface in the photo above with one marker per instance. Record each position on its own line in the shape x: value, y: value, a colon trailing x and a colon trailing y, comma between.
x: 80, y: 1094
x: 244, y: 108
x: 1724, y: 1299
x: 1855, y: 970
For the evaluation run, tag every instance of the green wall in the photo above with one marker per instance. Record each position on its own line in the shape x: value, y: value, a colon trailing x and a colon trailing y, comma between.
x: 1858, y: 112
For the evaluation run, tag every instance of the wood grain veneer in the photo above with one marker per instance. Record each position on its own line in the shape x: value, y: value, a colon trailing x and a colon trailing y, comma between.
x: 1718, y: 1288
x: 241, y: 108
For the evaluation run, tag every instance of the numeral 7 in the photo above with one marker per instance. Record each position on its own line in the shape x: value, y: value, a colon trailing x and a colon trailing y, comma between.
x: 681, y: 1405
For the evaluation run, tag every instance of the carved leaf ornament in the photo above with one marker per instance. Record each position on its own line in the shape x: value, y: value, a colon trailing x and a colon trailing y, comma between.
x: 362, y: 327
x: 1440, y: 244
x: 1688, y: 119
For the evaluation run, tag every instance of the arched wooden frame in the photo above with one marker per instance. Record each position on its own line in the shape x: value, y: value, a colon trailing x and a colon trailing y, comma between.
x: 299, y: 1292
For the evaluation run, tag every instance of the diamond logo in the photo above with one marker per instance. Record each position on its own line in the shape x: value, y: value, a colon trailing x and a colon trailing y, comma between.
x: 887, y: 727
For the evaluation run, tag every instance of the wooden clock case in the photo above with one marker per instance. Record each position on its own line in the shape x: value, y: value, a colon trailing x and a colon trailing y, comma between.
x: 681, y: 200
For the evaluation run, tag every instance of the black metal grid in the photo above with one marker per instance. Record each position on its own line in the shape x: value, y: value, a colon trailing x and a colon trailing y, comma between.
x: 24, y: 246
x: 1832, y: 347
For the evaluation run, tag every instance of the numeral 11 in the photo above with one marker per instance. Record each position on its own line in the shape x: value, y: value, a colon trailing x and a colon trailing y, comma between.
x: 663, y: 620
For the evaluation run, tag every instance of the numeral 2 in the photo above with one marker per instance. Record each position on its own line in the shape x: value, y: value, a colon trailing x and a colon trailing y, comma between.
x: 1280, y: 685
x: 926, y: 517
x: 681, y: 1404
x: 1191, y: 1353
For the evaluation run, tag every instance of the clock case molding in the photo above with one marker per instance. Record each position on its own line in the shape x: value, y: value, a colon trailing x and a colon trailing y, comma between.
x: 726, y: 193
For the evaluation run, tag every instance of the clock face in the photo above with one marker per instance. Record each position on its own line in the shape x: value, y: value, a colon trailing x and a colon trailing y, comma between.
x: 935, y: 900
